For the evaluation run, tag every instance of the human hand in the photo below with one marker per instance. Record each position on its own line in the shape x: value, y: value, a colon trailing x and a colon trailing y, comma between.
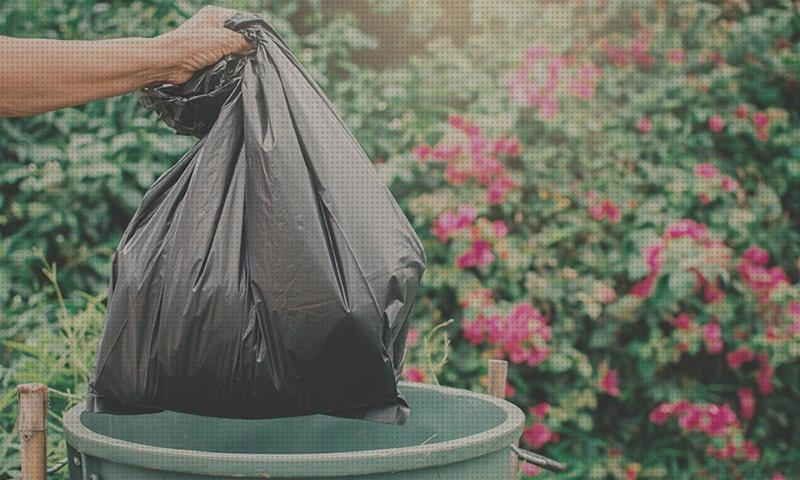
x: 201, y: 41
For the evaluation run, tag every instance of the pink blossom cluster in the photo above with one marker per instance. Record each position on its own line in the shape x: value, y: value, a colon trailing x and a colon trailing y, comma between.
x: 480, y: 251
x: 708, y: 172
x: 637, y: 51
x: 714, y: 250
x: 414, y: 374
x: 450, y: 222
x: 760, y: 120
x: 609, y: 382
x: 521, y: 335
x: 478, y: 161
x: 755, y: 274
x: 537, y: 82
x: 603, y: 209
x: 715, y: 421
x: 538, y: 434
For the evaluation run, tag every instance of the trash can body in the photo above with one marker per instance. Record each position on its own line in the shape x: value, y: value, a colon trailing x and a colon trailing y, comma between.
x: 451, y: 434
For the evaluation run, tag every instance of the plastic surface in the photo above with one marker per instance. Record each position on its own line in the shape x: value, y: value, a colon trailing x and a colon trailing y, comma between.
x: 452, y: 434
x: 269, y: 272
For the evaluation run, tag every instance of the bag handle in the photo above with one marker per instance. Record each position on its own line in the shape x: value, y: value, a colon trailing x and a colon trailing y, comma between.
x: 193, y: 107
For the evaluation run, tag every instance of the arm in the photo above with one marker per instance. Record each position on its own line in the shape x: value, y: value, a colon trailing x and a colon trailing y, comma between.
x: 42, y: 75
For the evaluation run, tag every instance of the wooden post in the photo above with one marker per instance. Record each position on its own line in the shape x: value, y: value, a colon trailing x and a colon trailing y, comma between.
x: 498, y: 373
x: 33, y: 430
x: 498, y: 377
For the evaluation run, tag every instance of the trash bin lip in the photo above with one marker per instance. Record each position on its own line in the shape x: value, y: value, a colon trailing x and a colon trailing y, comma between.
x: 264, y: 465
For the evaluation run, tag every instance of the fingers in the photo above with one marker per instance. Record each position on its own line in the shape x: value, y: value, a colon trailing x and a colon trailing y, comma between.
x: 238, y: 44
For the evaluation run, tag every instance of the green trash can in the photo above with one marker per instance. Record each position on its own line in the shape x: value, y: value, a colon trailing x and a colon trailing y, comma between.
x: 451, y: 434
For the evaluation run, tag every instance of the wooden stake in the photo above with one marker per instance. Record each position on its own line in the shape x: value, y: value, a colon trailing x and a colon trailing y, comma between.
x: 498, y: 377
x: 33, y: 430
x: 498, y: 373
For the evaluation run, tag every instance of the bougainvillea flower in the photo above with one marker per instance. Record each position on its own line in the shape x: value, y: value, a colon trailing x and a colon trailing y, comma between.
x: 537, y: 435
x: 712, y: 334
x: 645, y: 125
x: 540, y: 410
x: 610, y: 383
x: 706, y: 170
x: 747, y: 403
x: 414, y: 374
x: 739, y: 357
x: 716, y: 123
x: 686, y: 228
x: 479, y: 255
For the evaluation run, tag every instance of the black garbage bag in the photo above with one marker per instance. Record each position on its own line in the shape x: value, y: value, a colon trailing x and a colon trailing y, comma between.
x: 269, y: 272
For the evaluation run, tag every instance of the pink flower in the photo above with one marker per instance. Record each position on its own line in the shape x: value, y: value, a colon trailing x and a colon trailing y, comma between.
x: 756, y: 255
x: 446, y: 152
x: 540, y: 410
x: 653, y: 256
x: 706, y: 170
x: 645, y: 125
x: 778, y: 476
x: 677, y: 56
x: 644, y: 288
x: 607, y: 294
x: 422, y: 152
x: 486, y: 168
x: 716, y: 123
x: 742, y: 111
x: 449, y: 222
x: 537, y: 435
x: 616, y: 54
x: 472, y: 129
x: 712, y: 293
x: 414, y: 374
x: 764, y: 376
x: 747, y: 403
x: 757, y: 276
x: 739, y: 357
x: 498, y: 189
x: 455, y: 176
x: 548, y: 107
x: 474, y: 330
x: 532, y: 470
x: 728, y: 184
x: 760, y: 120
x: 717, y: 420
x: 683, y: 321
x: 712, y: 334
x: 479, y: 254
x: 687, y: 228
x: 499, y: 229
x: 507, y: 146
x: 606, y: 209
x: 639, y: 46
x: 585, y: 83
x: 610, y: 383
x: 751, y: 451
x: 520, y: 335
x: 456, y: 121
x: 660, y: 414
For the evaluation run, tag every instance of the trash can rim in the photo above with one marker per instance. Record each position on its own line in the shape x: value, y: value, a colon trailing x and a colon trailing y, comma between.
x: 257, y: 465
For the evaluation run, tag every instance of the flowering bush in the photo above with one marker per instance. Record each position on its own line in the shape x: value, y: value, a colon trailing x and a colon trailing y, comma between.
x: 620, y: 226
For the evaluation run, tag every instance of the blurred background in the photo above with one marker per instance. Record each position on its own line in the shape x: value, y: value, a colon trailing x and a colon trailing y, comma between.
x: 608, y: 192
